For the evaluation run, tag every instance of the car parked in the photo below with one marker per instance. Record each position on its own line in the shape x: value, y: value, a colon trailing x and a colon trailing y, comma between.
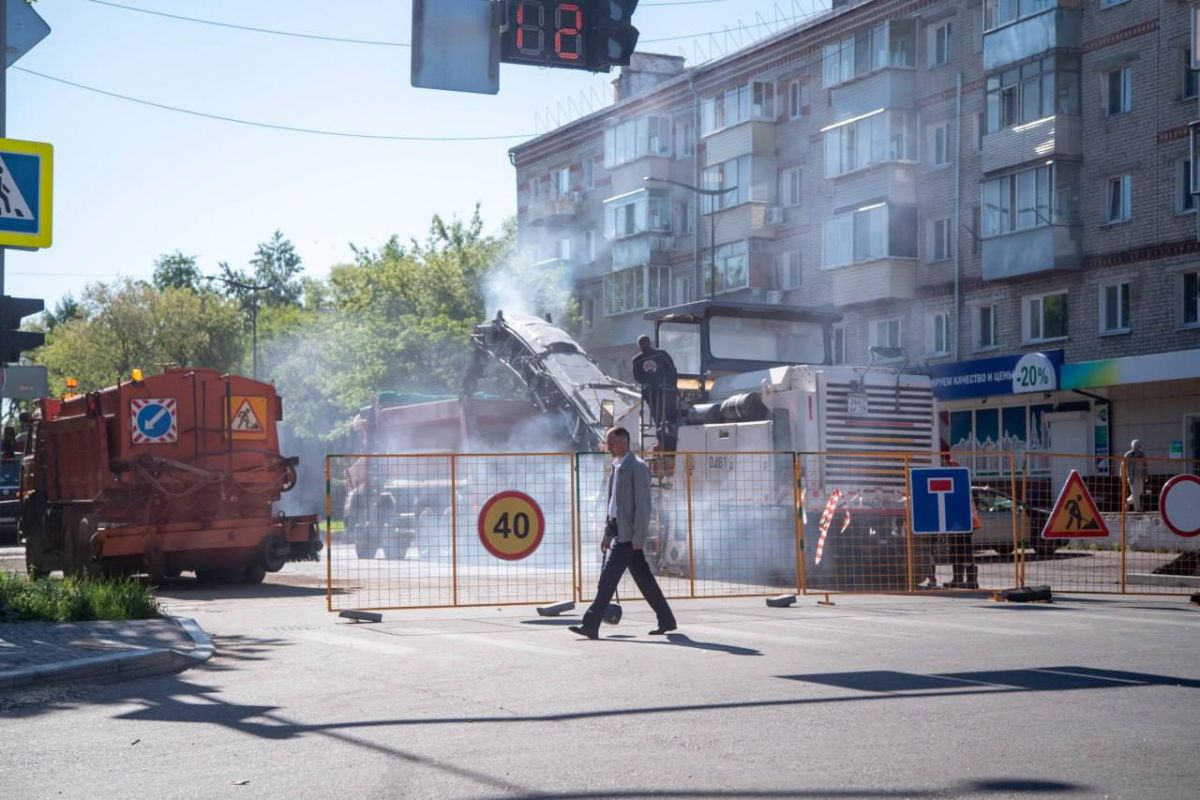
x: 995, y: 510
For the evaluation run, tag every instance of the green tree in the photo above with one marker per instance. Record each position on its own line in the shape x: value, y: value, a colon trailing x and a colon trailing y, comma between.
x: 274, y: 277
x: 66, y: 309
x: 176, y: 271
x: 128, y: 324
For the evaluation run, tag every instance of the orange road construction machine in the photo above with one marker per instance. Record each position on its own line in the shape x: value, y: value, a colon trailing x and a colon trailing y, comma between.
x: 160, y: 475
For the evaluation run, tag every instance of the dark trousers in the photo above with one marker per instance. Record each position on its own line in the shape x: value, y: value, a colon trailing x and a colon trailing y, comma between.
x: 622, y: 556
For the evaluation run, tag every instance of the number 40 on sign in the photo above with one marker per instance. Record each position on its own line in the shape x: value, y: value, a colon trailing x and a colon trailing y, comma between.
x: 511, y: 525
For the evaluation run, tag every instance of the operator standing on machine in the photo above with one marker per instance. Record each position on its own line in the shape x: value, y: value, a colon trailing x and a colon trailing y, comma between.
x: 654, y: 370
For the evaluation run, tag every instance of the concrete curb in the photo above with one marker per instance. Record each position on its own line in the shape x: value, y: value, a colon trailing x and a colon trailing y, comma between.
x: 119, y: 666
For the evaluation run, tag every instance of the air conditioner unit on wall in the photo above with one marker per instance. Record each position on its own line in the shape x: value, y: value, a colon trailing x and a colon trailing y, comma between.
x: 774, y: 215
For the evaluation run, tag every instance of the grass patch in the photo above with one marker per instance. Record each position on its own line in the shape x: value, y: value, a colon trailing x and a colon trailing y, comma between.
x: 74, y: 600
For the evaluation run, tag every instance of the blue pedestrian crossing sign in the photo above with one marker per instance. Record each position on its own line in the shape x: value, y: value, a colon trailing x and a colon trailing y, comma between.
x: 26, y: 191
x: 941, y: 499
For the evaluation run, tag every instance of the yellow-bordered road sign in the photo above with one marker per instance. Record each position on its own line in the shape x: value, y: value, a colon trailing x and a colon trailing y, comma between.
x: 1075, y: 515
x: 249, y: 417
x: 511, y: 525
x: 26, y: 193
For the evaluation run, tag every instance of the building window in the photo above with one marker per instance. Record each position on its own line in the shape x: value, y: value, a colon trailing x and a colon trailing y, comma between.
x: 976, y: 238
x: 1019, y: 201
x: 790, y: 270
x: 1114, y: 308
x: 637, y: 138
x: 791, y: 185
x: 1045, y: 317
x: 1120, y: 199
x: 562, y: 182
x: 1111, y: 3
x: 591, y: 246
x: 736, y: 176
x: 562, y: 249
x: 939, y: 45
x: 796, y: 99
x: 682, y: 289
x: 636, y: 289
x: 1191, y: 77
x: 940, y: 241
x: 838, y: 356
x: 753, y: 101
x: 589, y: 173
x: 871, y: 139
x: 887, y: 332
x: 985, y: 332
x: 1185, y: 201
x: 871, y: 232
x: 890, y: 44
x: 940, y: 144
x: 1119, y: 83
x: 589, y: 314
x: 642, y: 211
x: 686, y: 134
x: 1191, y: 299
x: 732, y: 269
x: 1032, y: 91
x: 1001, y: 12
x: 685, y: 213
x: 939, y: 334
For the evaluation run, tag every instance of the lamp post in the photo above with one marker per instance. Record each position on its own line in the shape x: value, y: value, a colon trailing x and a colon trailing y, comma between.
x: 253, y: 290
x: 712, y: 225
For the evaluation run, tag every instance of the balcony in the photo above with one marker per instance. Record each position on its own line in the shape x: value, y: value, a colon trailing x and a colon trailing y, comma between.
x: 752, y: 137
x: 554, y: 211
x: 745, y: 221
x: 642, y: 249
x: 1031, y: 35
x: 629, y: 177
x: 871, y: 281
x: 1028, y: 252
x: 1060, y: 135
x: 891, y: 87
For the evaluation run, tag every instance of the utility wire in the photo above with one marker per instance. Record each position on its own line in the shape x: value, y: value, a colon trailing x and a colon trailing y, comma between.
x: 272, y: 126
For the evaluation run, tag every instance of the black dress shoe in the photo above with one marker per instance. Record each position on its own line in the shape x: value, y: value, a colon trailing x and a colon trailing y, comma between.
x: 582, y: 631
x: 661, y: 629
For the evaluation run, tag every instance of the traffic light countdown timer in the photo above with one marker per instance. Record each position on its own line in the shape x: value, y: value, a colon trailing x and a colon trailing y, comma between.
x: 594, y: 35
x: 13, y: 340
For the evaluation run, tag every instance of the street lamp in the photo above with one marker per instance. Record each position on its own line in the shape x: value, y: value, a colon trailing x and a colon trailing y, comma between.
x: 254, y: 290
x: 712, y: 225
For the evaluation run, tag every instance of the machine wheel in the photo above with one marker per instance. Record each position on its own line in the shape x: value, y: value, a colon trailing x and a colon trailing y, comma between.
x: 78, y: 528
x: 1003, y: 549
x: 365, y: 549
x: 255, y: 574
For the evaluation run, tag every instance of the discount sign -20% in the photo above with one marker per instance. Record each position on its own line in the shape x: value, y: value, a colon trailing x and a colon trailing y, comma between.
x: 511, y: 525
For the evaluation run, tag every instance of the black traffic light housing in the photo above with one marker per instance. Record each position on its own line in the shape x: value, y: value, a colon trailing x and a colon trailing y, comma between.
x: 13, y: 340
x: 615, y: 37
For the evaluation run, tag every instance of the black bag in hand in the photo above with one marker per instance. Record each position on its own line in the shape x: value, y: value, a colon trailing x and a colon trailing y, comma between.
x: 612, y: 612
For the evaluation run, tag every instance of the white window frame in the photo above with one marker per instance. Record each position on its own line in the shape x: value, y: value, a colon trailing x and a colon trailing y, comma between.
x: 617, y: 284
x: 589, y: 173
x: 562, y: 248
x: 591, y: 245
x: 1112, y: 3
x: 874, y: 330
x: 1190, y: 76
x: 796, y: 99
x: 686, y: 210
x: 686, y: 139
x: 1126, y: 100
x: 790, y: 270
x: 791, y: 187
x: 940, y: 37
x: 1184, y: 322
x: 945, y: 240
x: 837, y: 344
x: 1122, y: 321
x: 561, y: 180
x: 681, y: 288
x: 1036, y: 304
x: 992, y: 328
x: 588, y: 313
x: 938, y: 324
x: 940, y: 131
x: 1118, y: 188
x: 1185, y: 201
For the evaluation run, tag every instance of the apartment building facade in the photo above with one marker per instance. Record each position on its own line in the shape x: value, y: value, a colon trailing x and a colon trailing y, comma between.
x: 1001, y: 188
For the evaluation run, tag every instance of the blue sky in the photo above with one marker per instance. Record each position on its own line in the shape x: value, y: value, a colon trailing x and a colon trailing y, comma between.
x: 133, y: 182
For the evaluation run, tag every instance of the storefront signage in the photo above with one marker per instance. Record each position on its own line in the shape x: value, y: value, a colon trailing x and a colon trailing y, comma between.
x: 1003, y: 375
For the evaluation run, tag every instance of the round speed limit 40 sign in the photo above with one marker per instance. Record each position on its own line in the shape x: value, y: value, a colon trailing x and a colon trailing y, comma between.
x: 511, y: 525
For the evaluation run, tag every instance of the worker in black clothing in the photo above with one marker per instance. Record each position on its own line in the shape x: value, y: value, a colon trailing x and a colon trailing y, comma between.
x: 654, y: 370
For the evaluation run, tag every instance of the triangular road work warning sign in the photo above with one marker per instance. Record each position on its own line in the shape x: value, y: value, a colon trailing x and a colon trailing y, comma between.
x: 246, y: 420
x: 12, y: 202
x: 1075, y: 515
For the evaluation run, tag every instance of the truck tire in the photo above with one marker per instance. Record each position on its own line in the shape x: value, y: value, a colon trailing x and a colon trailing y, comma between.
x: 254, y: 574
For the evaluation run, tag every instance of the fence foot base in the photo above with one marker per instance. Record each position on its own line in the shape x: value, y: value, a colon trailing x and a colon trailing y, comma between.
x: 556, y: 609
x: 826, y: 601
x: 781, y: 601
x: 361, y: 616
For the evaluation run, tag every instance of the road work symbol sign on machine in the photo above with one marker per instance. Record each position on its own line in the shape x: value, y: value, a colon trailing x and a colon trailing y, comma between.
x: 249, y: 417
x: 153, y: 421
x: 511, y: 525
x: 941, y: 499
x: 1075, y: 515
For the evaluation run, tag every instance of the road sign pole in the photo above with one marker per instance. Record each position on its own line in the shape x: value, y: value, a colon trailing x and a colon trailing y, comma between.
x: 3, y: 100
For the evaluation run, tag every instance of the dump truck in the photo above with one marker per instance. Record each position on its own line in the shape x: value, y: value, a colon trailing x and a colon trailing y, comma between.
x: 160, y: 475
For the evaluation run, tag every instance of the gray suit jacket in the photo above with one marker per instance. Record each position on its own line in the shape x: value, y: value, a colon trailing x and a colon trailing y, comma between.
x: 633, y: 501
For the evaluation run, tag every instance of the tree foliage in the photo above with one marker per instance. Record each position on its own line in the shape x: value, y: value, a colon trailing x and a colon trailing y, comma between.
x: 274, y: 277
x: 176, y: 271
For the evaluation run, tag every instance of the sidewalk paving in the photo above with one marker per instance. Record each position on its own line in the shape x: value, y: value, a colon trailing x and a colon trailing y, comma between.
x: 50, y: 652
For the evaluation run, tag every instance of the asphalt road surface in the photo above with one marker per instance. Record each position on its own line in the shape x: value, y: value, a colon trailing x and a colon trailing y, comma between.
x: 875, y: 697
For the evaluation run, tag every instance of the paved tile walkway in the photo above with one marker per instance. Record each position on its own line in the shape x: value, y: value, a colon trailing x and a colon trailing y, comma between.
x: 34, y: 644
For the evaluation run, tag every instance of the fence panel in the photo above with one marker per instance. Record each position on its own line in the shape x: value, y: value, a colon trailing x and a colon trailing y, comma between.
x: 409, y: 530
x: 1157, y: 560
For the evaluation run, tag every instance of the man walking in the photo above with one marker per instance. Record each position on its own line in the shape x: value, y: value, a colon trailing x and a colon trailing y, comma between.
x: 625, y: 535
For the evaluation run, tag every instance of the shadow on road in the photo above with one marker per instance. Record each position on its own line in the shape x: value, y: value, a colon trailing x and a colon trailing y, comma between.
x: 192, y: 589
x: 1038, y: 679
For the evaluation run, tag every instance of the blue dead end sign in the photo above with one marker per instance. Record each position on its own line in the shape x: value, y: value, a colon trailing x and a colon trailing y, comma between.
x: 26, y: 191
x: 941, y: 499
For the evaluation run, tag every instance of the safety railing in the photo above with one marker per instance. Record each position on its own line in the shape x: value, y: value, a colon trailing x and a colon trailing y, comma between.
x: 412, y: 531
